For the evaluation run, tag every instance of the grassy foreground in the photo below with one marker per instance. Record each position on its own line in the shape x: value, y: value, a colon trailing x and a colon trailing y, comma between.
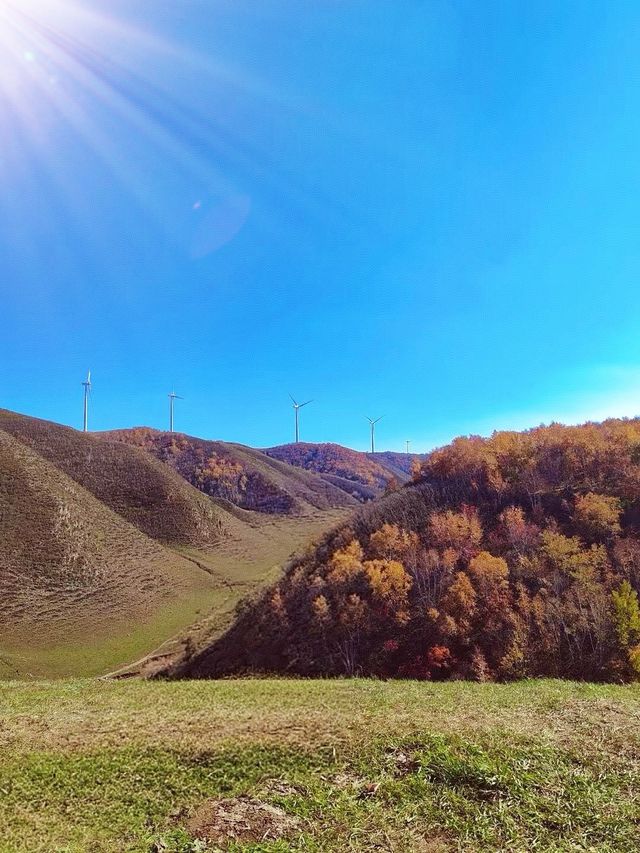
x: 357, y: 765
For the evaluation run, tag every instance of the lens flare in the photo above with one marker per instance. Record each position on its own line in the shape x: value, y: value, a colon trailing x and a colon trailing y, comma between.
x: 72, y: 77
x: 79, y: 83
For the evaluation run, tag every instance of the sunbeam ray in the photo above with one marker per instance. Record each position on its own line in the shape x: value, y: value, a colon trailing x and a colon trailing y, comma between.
x: 67, y: 65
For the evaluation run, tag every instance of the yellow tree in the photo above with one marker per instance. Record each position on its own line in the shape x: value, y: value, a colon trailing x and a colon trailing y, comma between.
x: 626, y: 620
x: 458, y: 607
x: 346, y: 563
x: 392, y: 542
x: 390, y: 584
x: 459, y: 531
x: 597, y: 517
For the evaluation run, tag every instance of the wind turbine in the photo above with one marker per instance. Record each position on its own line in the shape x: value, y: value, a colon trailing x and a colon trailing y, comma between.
x: 87, y: 391
x: 297, y: 407
x: 172, y: 396
x: 408, y: 442
x: 373, y: 432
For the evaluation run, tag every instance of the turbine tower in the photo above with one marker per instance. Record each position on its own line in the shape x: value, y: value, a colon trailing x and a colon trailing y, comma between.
x: 373, y: 432
x: 296, y: 408
x: 87, y: 391
x: 408, y: 442
x: 172, y: 396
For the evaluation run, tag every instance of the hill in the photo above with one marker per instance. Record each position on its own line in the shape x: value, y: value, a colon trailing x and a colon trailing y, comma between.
x: 107, y: 554
x: 97, y: 766
x: 507, y: 557
x: 245, y: 477
x: 73, y: 573
x: 400, y: 465
x: 364, y: 475
x: 126, y: 479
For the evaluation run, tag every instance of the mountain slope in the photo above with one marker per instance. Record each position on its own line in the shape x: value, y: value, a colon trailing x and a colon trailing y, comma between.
x: 400, y: 465
x: 107, y: 553
x: 129, y: 481
x: 245, y: 477
x: 71, y: 569
x: 513, y: 556
x: 364, y: 475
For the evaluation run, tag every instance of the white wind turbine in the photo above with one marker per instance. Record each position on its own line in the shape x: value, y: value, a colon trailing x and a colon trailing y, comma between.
x: 373, y: 432
x: 297, y: 406
x: 85, y: 412
x: 172, y: 397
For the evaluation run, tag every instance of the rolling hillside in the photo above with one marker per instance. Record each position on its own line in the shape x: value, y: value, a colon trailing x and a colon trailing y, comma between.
x: 73, y: 573
x: 363, y: 475
x: 245, y: 477
x: 107, y: 553
x: 400, y: 465
x: 508, y: 557
x: 129, y: 481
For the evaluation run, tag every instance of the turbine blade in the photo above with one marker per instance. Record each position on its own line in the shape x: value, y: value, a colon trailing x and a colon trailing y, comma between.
x: 293, y: 398
x: 305, y: 404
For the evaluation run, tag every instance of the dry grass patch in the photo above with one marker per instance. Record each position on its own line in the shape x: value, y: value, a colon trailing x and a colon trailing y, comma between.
x: 328, y: 767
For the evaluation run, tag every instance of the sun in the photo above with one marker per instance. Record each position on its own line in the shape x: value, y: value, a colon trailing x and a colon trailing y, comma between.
x: 52, y: 54
x: 32, y: 36
x: 84, y: 83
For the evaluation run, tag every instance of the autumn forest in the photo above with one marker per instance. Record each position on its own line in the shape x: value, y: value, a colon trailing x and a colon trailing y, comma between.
x: 509, y: 557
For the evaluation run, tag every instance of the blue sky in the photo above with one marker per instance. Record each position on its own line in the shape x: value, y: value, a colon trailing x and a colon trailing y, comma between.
x: 423, y: 210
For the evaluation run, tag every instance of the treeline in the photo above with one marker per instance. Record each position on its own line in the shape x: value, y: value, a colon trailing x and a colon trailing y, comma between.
x: 508, y: 557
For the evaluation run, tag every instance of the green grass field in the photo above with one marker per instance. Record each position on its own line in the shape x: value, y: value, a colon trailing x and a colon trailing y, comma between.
x: 252, y: 556
x: 351, y: 765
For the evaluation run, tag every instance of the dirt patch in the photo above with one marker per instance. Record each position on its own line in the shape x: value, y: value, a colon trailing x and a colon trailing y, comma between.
x: 432, y: 845
x: 347, y: 780
x: 280, y: 788
x: 402, y: 762
x: 223, y: 822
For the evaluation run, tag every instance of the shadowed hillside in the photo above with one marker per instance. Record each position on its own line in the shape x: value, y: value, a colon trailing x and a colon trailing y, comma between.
x: 71, y: 567
x: 245, y: 477
x: 400, y: 465
x: 508, y: 557
x: 364, y: 475
x: 140, y: 489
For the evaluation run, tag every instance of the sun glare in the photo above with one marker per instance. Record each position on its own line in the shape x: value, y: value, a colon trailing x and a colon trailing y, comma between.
x: 78, y: 79
x: 64, y: 64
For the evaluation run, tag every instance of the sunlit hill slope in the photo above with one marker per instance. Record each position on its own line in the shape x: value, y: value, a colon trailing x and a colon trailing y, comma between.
x: 363, y: 475
x: 241, y: 475
x: 507, y: 557
x: 106, y: 551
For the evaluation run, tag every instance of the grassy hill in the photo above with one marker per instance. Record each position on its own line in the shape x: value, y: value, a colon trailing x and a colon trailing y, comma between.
x: 126, y: 479
x: 107, y: 553
x: 404, y: 767
x: 81, y: 587
x: 507, y: 557
x: 245, y: 477
x: 363, y: 475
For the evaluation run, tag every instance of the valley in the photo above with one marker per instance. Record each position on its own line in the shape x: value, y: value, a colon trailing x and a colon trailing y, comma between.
x: 107, y: 552
x: 134, y: 578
